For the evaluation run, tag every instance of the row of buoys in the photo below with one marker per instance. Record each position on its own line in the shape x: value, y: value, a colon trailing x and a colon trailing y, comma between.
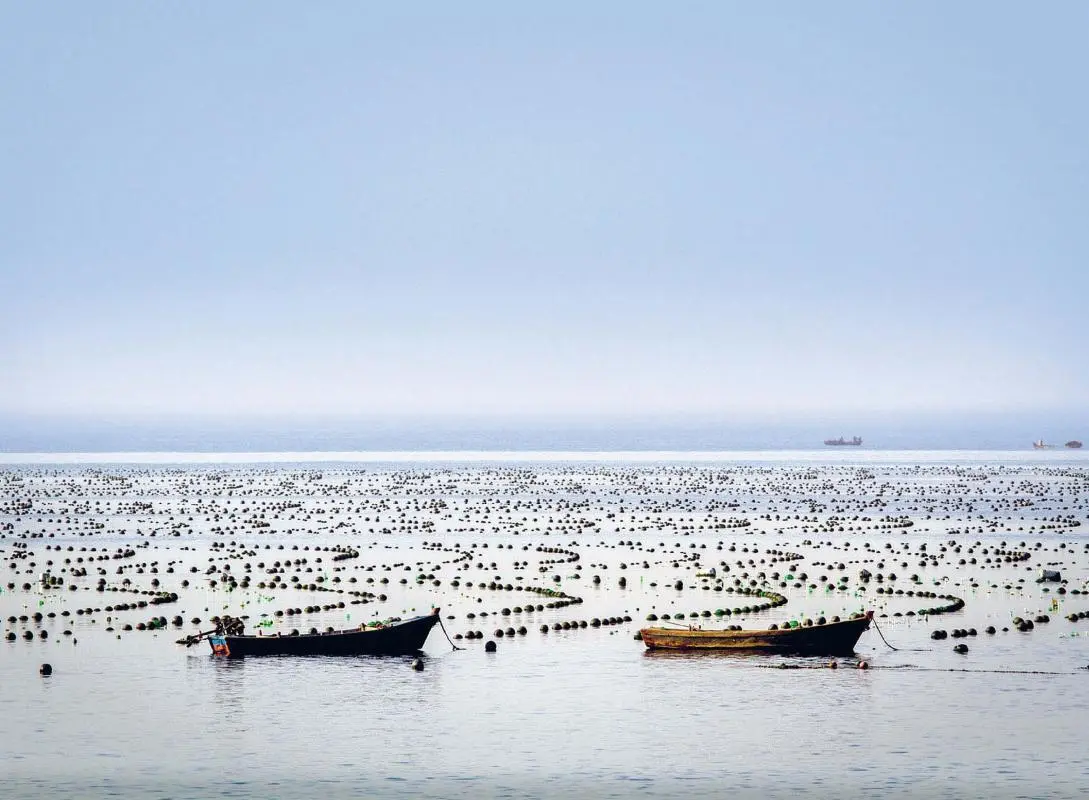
x: 960, y: 633
x: 29, y: 635
x: 509, y: 545
x: 596, y: 622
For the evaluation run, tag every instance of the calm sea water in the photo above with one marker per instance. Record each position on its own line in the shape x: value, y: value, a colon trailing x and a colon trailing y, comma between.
x: 572, y: 714
x: 948, y: 431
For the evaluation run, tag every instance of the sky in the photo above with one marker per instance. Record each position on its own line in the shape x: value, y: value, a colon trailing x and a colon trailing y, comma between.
x: 708, y: 208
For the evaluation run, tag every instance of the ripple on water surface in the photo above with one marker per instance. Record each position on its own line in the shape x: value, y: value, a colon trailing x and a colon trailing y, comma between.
x: 577, y: 712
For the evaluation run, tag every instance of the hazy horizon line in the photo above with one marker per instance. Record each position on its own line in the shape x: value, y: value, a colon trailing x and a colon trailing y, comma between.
x: 633, y: 432
x: 542, y: 456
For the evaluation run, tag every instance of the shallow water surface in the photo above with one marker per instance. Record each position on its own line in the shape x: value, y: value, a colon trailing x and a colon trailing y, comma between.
x: 571, y: 713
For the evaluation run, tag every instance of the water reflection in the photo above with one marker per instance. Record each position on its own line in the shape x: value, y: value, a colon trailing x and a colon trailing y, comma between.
x: 750, y: 659
x: 574, y: 712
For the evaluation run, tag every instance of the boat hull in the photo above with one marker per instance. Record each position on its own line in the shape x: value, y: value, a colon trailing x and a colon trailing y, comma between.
x: 841, y: 442
x: 400, y: 638
x: 832, y: 639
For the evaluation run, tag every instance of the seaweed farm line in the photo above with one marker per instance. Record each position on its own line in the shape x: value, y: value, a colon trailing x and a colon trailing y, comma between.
x: 976, y: 570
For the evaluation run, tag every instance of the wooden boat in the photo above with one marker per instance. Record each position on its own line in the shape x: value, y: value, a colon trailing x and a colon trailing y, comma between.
x: 830, y: 639
x: 398, y: 638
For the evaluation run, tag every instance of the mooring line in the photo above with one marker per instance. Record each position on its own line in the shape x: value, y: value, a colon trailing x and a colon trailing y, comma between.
x: 451, y: 641
x: 898, y: 649
x: 879, y: 633
x: 979, y: 671
x: 913, y: 668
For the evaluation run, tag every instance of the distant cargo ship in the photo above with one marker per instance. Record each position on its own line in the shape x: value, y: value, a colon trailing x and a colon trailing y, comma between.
x: 853, y: 442
x: 1073, y: 444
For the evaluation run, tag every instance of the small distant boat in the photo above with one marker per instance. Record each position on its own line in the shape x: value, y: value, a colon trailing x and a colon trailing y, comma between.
x: 396, y: 639
x: 1041, y: 445
x: 1074, y: 444
x: 840, y: 442
x: 830, y: 639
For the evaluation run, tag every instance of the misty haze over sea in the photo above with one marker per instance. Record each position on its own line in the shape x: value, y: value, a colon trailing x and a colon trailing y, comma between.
x: 960, y: 431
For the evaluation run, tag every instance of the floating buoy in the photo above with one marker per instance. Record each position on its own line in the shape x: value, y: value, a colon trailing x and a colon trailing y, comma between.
x: 45, y: 669
x: 418, y: 665
x: 489, y: 647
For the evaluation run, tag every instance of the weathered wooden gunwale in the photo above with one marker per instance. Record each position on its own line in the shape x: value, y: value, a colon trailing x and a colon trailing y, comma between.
x: 834, y: 638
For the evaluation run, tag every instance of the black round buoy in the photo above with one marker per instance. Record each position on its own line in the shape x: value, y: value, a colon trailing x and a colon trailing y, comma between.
x: 960, y: 648
x: 45, y: 669
x: 489, y: 647
x: 418, y: 665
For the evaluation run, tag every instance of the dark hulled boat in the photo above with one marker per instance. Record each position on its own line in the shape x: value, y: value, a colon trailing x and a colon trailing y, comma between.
x: 396, y: 639
x: 830, y: 639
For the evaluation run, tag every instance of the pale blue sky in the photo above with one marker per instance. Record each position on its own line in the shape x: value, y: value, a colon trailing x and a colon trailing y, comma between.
x: 715, y: 208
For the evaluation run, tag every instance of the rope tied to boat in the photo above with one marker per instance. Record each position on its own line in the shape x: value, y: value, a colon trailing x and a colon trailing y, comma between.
x: 898, y: 649
x: 915, y: 668
x: 879, y: 633
x: 683, y: 626
x: 451, y: 641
